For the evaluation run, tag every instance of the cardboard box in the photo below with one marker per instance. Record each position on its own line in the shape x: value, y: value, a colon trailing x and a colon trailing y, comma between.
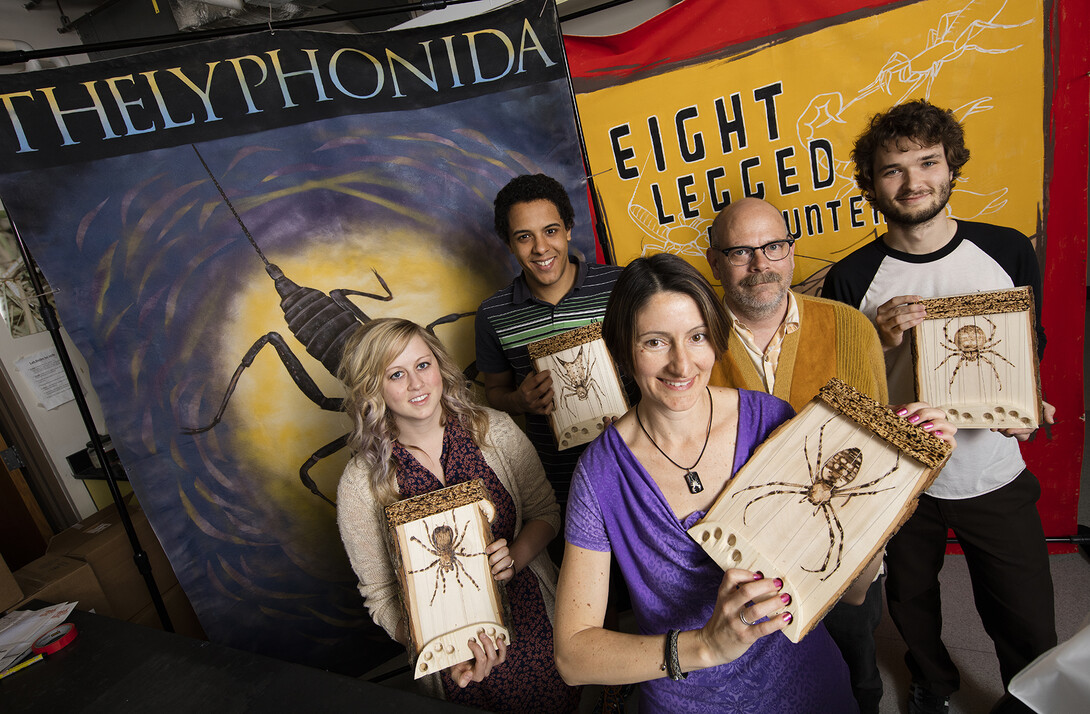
x: 101, y: 542
x: 182, y: 618
x: 10, y: 592
x: 56, y: 579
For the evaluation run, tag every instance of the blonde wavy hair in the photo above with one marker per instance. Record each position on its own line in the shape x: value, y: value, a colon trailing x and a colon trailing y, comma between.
x: 367, y: 354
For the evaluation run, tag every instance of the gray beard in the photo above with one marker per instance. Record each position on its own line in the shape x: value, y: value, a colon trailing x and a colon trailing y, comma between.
x: 754, y: 309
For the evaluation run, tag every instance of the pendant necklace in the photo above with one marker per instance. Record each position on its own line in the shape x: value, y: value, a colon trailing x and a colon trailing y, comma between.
x: 692, y: 478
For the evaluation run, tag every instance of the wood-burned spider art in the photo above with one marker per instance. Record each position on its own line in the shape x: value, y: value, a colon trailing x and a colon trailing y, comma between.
x: 845, y: 466
x: 578, y: 379
x: 975, y: 356
x: 970, y: 344
x: 586, y: 386
x: 828, y: 480
x: 447, y: 551
x: 446, y: 586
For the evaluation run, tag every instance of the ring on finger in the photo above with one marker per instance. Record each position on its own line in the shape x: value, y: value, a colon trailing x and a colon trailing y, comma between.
x: 742, y: 617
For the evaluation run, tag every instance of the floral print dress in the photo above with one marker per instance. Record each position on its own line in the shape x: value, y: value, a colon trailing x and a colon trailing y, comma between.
x: 527, y: 680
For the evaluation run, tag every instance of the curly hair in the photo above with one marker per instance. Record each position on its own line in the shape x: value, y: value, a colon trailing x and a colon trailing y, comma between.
x: 638, y: 283
x: 367, y: 354
x: 523, y: 189
x: 918, y: 122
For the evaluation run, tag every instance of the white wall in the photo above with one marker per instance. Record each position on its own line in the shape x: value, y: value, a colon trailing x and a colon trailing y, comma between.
x: 60, y: 431
x: 38, y: 27
x: 612, y: 21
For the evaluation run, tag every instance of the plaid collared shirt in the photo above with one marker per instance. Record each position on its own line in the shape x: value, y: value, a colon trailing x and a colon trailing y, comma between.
x: 767, y: 360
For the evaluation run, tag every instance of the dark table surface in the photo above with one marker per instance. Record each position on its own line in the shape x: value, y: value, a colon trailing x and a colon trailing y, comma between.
x: 114, y: 666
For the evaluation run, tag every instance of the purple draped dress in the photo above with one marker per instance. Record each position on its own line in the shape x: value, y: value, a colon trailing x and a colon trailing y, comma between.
x: 616, y: 506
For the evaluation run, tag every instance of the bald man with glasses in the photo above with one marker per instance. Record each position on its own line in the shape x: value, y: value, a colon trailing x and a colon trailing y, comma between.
x: 789, y: 345
x: 784, y: 343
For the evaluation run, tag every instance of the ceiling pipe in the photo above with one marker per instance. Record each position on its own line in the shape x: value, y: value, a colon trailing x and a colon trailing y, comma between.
x: 17, y: 56
x: 31, y: 64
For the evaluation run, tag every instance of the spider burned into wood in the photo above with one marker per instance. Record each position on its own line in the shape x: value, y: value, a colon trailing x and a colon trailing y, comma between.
x: 578, y: 380
x: 447, y: 551
x: 828, y: 480
x: 969, y: 344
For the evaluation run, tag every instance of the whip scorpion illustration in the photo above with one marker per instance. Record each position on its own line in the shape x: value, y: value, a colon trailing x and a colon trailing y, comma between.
x: 321, y: 323
x: 828, y: 480
x: 578, y: 379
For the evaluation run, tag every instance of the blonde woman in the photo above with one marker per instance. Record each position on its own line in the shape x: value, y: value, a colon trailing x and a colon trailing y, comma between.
x: 416, y: 429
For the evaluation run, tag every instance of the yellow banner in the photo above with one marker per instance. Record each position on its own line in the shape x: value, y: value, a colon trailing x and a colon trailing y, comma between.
x: 778, y: 121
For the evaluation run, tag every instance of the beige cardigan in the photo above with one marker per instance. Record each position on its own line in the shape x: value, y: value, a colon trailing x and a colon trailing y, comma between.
x: 366, y: 539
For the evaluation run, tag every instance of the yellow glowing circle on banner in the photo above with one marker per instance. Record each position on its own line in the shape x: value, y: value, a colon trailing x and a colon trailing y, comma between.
x: 274, y: 426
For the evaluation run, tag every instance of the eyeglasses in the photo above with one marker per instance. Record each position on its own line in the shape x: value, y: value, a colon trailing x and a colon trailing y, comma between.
x: 743, y: 255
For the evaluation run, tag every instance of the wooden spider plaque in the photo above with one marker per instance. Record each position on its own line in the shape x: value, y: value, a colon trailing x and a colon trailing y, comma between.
x: 976, y: 357
x: 586, y: 386
x: 820, y: 497
x: 447, y: 589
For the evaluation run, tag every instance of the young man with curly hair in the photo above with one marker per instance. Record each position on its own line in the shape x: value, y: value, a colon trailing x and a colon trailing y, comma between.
x: 906, y: 165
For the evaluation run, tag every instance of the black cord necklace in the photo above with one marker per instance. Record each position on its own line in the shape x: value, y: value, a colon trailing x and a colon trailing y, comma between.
x: 692, y: 478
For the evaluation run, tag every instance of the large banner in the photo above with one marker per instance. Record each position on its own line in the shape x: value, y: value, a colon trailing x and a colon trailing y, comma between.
x: 357, y: 176
x: 712, y: 101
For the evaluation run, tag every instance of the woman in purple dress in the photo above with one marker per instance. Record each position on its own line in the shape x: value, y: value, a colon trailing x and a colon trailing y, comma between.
x: 708, y: 641
x: 416, y: 429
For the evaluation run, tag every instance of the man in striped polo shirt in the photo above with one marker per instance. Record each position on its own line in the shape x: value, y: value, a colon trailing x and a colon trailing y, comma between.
x: 555, y: 292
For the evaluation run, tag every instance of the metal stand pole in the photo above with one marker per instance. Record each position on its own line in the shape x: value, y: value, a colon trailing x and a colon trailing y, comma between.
x: 49, y: 318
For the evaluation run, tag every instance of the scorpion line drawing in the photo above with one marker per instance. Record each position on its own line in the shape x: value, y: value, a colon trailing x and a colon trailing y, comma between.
x: 447, y: 551
x: 578, y: 381
x: 828, y: 480
x: 970, y: 345
x: 660, y: 237
x: 321, y: 323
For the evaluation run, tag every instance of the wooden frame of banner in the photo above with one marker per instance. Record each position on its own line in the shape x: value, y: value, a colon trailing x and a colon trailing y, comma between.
x: 447, y: 590
x: 583, y: 375
x: 975, y: 356
x: 819, y: 499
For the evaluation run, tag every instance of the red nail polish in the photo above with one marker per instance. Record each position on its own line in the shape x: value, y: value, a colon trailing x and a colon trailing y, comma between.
x: 778, y: 583
x: 914, y: 418
x: 758, y: 575
x: 902, y: 411
x: 928, y: 426
x: 937, y: 433
x: 787, y: 617
x: 785, y: 599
